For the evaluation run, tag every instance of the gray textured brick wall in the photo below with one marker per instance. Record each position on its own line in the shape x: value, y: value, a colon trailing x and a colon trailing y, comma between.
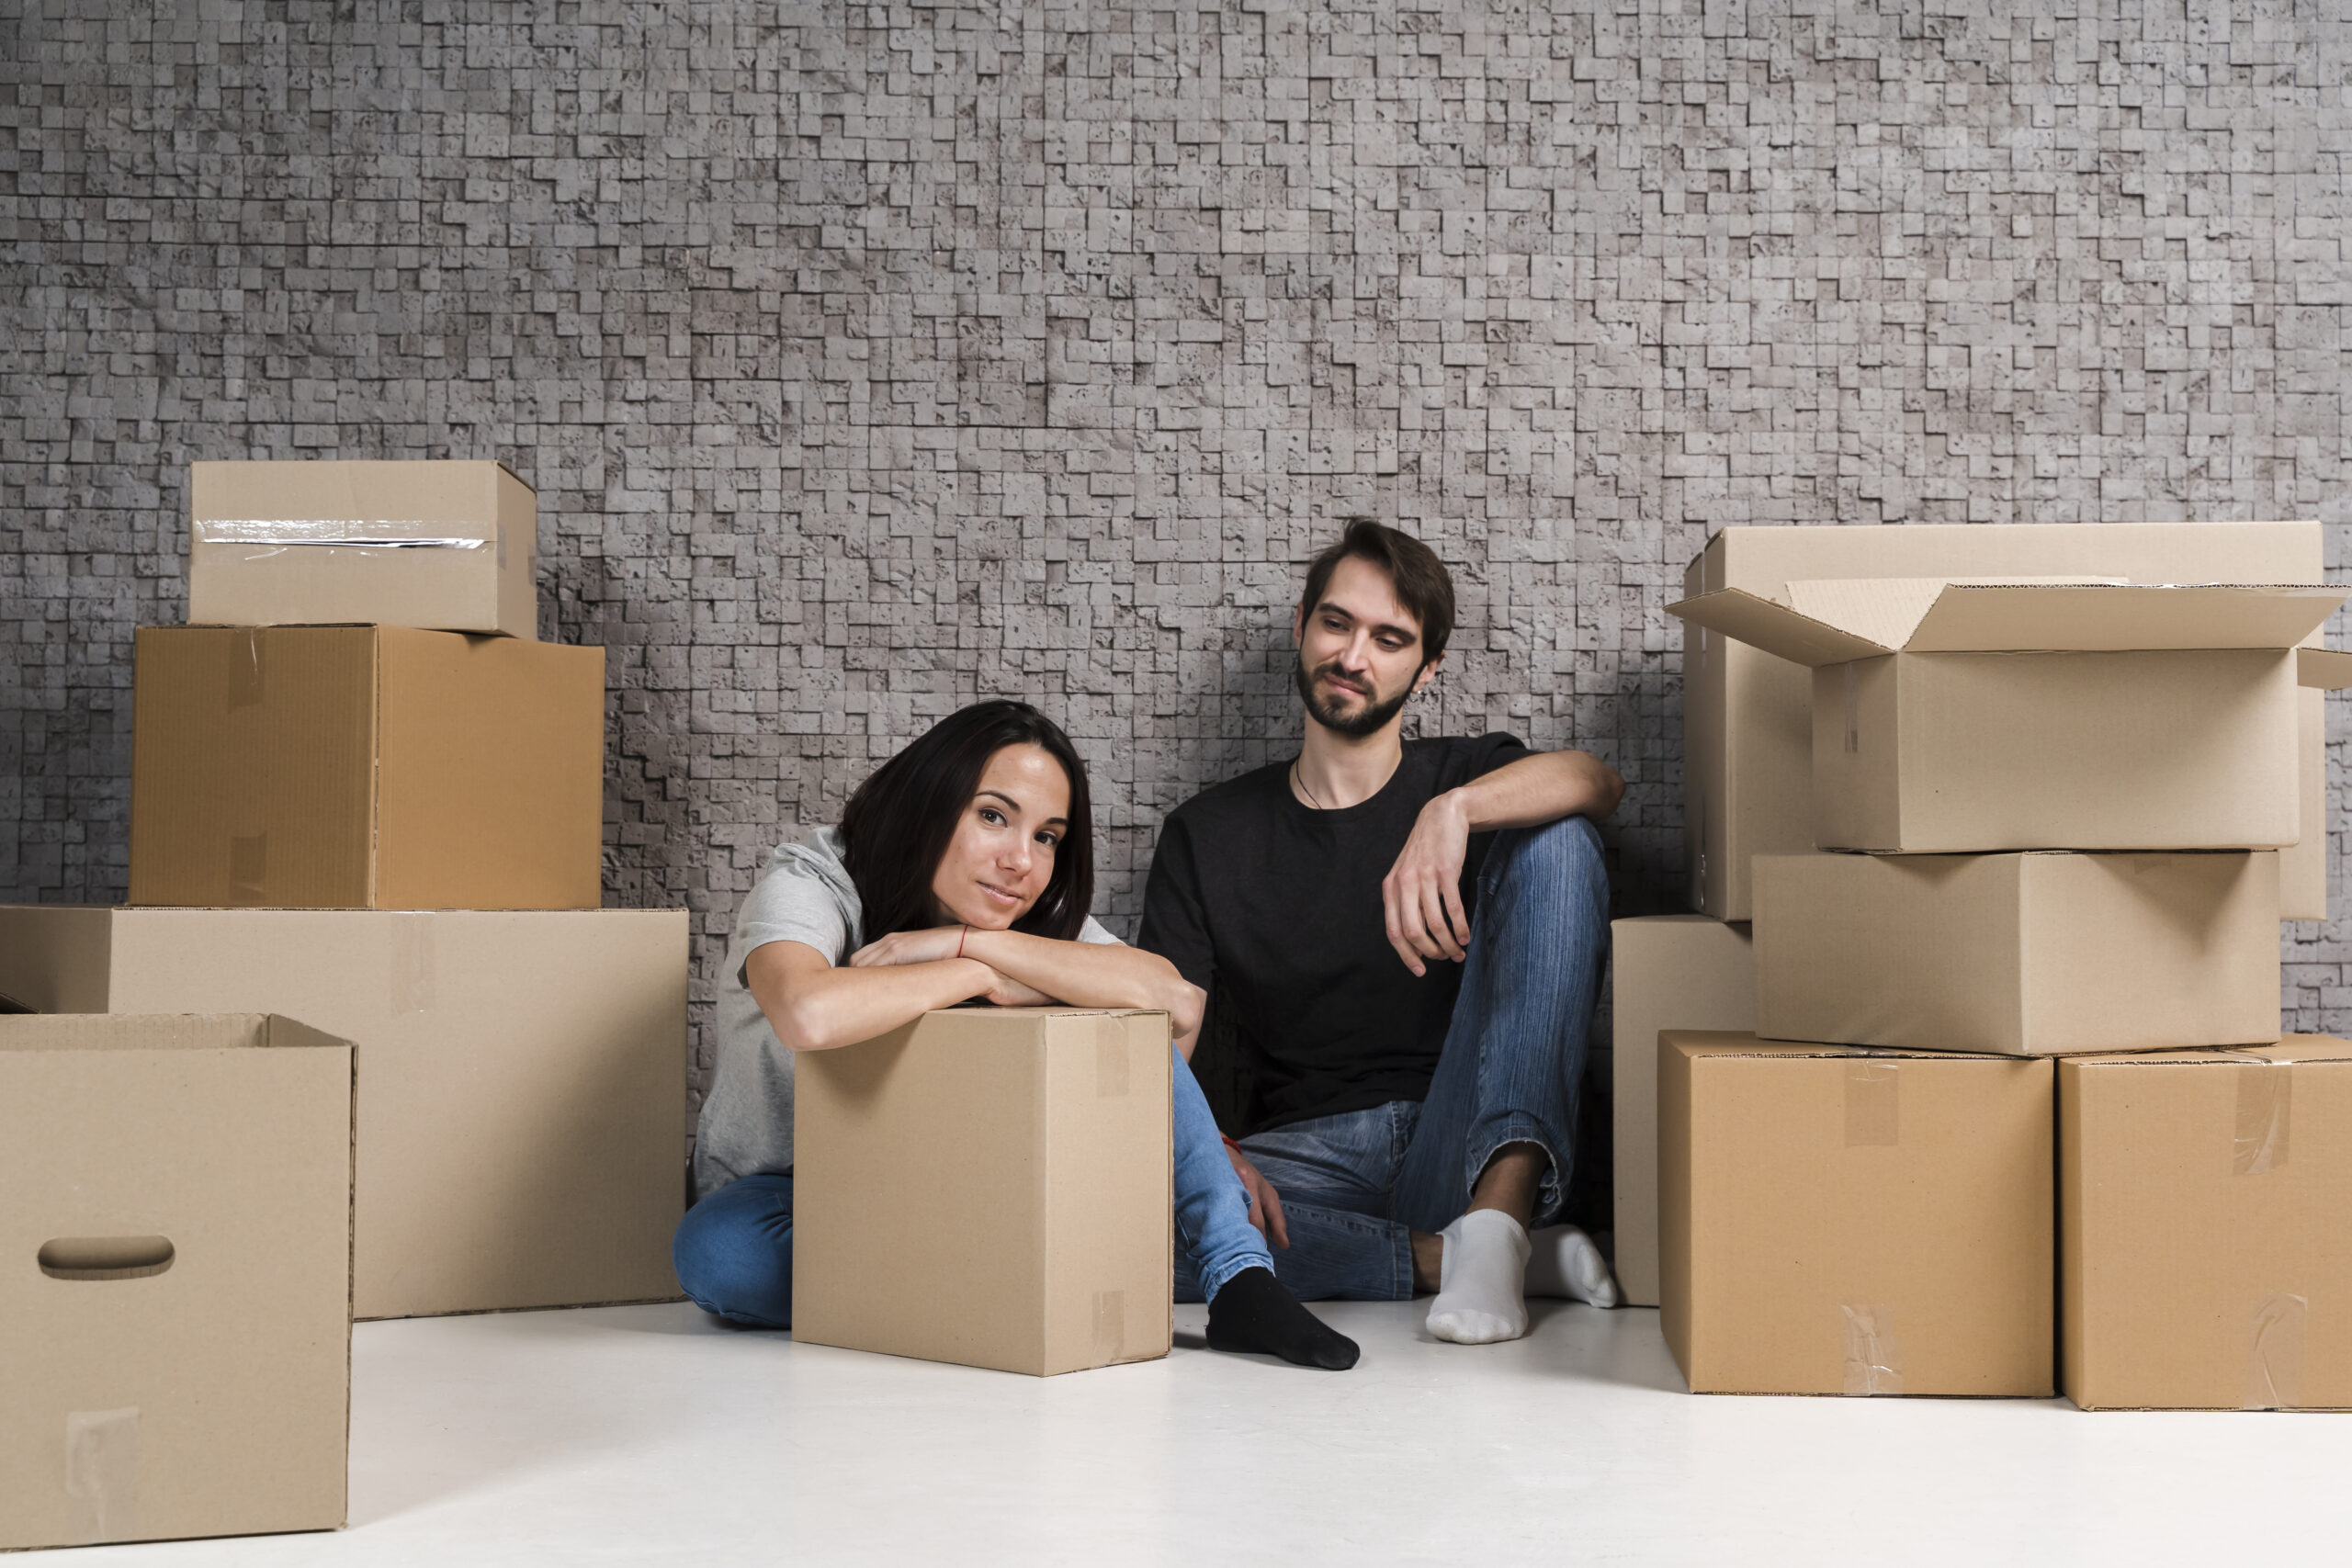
x: 871, y: 358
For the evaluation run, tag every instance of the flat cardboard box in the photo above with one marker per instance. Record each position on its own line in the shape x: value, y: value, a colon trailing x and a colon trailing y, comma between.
x: 522, y: 1108
x: 1958, y: 718
x: 440, y: 546
x: 1835, y: 1220
x: 174, y: 1316
x: 1747, y: 714
x: 2019, y: 955
x: 1665, y: 971
x: 366, y: 767
x: 989, y: 1186
x: 2204, y: 1260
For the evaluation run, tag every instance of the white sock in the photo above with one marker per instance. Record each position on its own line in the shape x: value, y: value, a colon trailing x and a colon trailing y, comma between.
x: 1478, y: 1299
x: 1563, y: 1262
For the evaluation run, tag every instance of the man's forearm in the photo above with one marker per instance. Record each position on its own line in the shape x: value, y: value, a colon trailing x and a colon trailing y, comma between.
x: 1539, y: 789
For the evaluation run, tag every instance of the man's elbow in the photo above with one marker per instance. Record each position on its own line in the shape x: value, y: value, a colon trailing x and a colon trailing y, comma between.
x: 1609, y: 789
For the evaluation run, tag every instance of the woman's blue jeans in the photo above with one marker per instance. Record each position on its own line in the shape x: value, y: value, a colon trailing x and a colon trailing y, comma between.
x: 733, y: 1250
x: 1356, y: 1186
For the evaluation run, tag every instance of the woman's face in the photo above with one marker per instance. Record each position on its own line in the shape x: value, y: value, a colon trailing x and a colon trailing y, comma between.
x: 1003, y: 854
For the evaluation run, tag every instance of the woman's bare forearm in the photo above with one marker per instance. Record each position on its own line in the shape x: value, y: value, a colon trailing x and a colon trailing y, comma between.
x: 813, y: 1006
x: 1092, y: 974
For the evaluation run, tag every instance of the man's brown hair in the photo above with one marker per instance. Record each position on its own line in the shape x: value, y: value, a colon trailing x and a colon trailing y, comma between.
x: 1421, y: 580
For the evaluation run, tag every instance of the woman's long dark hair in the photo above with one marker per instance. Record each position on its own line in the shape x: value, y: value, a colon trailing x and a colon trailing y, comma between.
x: 898, y: 826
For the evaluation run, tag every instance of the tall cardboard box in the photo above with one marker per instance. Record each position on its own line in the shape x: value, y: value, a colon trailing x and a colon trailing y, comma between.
x: 1665, y: 971
x: 1835, y: 1220
x: 2037, y: 954
x: 1965, y: 718
x: 989, y: 1186
x: 442, y: 546
x: 366, y: 767
x: 2205, y: 1260
x: 175, y: 1308
x: 522, y: 1115
x: 1748, y: 737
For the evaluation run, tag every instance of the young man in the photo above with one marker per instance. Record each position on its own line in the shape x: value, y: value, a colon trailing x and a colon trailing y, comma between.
x: 1408, y: 936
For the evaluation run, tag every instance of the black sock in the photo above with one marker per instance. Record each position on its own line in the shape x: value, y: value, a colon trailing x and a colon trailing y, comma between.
x: 1253, y: 1313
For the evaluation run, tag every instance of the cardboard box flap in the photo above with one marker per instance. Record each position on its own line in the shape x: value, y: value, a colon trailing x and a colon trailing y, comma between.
x: 148, y: 1032
x: 1720, y: 1043
x: 1776, y: 629
x: 2051, y: 617
x: 2319, y: 1049
x: 1888, y: 610
x: 399, y: 505
x: 2323, y: 668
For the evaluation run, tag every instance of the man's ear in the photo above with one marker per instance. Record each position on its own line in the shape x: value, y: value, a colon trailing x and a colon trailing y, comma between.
x: 1429, y: 673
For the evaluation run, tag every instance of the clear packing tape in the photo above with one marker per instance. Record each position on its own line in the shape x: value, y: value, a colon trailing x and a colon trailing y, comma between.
x: 102, y: 1473
x: 2259, y: 1145
x: 1873, y: 1356
x: 381, y: 534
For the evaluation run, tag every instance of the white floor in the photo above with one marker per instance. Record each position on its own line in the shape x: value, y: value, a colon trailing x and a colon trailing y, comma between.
x: 649, y: 1435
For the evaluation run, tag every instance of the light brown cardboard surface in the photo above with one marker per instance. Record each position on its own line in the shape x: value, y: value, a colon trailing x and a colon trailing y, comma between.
x: 365, y: 767
x: 259, y: 553
x: 1665, y: 971
x: 2241, y: 1160
x: 522, y: 1076
x: 2023, y: 955
x: 989, y: 1186
x: 1748, y: 716
x: 208, y: 1396
x: 1840, y: 1221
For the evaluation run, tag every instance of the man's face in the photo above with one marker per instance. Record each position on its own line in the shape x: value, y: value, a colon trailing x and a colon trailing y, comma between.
x: 1358, y: 652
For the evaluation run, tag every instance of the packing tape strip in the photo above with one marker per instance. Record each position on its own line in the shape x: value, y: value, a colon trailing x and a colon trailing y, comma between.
x: 248, y: 868
x: 1111, y: 1324
x: 413, y: 972
x: 1111, y: 1058
x: 379, y: 533
x: 2265, y: 1116
x: 1873, y: 1358
x: 1874, y: 1105
x: 1853, y: 709
x: 102, y: 1473
x: 2274, y: 1359
x: 247, y: 685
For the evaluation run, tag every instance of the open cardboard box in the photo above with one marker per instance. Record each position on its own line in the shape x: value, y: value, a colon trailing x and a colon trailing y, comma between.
x: 1747, y: 714
x: 1970, y: 717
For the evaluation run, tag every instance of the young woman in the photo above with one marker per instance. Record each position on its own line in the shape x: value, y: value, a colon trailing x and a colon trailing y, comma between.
x: 961, y: 870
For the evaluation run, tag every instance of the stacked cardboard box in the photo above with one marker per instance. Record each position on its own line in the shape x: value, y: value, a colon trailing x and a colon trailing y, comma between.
x: 1748, y: 770
x: 2061, y: 804
x: 372, y: 801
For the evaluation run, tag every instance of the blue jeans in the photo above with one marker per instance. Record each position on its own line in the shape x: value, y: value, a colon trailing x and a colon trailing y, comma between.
x: 733, y: 1250
x: 1356, y: 1186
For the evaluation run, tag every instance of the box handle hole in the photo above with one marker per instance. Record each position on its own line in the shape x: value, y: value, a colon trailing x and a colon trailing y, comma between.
x: 105, y: 1256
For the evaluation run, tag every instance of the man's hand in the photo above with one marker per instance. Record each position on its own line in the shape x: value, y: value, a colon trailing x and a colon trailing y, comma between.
x: 931, y: 946
x: 1422, y: 892
x: 1265, y: 1203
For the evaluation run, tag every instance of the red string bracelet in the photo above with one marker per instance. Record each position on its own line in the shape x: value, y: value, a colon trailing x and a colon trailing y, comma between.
x: 960, y: 935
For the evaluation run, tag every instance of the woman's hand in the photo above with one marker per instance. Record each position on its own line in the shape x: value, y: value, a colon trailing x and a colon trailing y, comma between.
x: 1004, y: 991
x: 931, y: 946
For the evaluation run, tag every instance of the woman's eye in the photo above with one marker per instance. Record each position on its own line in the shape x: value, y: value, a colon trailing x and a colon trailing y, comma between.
x: 1049, y: 839
x: 991, y: 815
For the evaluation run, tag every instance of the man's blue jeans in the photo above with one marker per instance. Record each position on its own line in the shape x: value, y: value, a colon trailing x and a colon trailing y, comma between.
x: 1356, y: 1185
x: 733, y: 1250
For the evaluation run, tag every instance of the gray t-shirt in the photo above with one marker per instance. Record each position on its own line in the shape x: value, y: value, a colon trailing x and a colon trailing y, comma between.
x: 804, y: 895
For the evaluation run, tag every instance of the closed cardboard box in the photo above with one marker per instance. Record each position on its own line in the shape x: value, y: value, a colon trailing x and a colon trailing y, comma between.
x: 1835, y: 1220
x: 1968, y: 717
x: 2205, y: 1260
x: 522, y: 1106
x: 175, y: 1308
x: 366, y: 767
x: 989, y: 1186
x: 2023, y: 955
x: 1747, y: 714
x: 442, y: 546
x: 1665, y: 971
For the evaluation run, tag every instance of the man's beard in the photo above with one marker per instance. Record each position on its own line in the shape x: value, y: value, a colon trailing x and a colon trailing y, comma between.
x: 1353, y: 726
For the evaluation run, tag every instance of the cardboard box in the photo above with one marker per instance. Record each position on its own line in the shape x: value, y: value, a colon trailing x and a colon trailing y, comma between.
x: 1665, y: 971
x: 2020, y: 954
x: 1834, y: 1220
x: 2204, y: 1259
x: 175, y: 1312
x: 366, y: 767
x: 522, y: 1108
x: 442, y: 546
x: 1747, y: 736
x: 989, y: 1186
x: 1969, y: 718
